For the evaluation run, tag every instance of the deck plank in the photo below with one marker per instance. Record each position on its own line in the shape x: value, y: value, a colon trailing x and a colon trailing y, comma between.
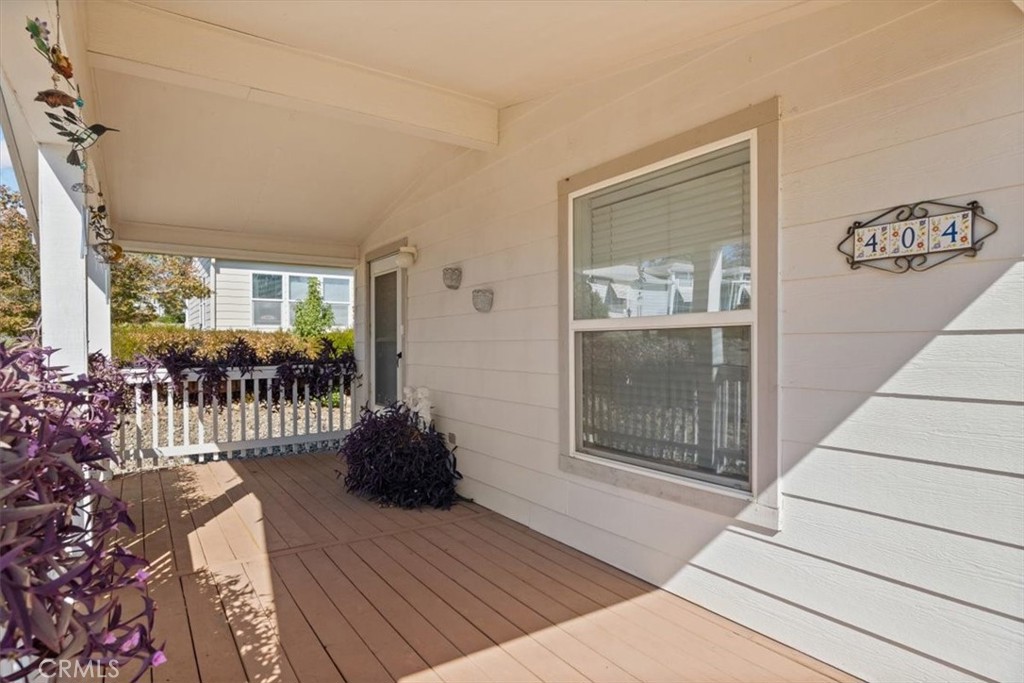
x: 187, y: 550
x: 249, y: 506
x: 172, y: 631
x: 326, y: 508
x: 216, y: 549
x: 350, y: 654
x: 389, y: 518
x: 303, y: 649
x: 543, y: 663
x: 455, y: 561
x: 282, y: 505
x: 662, y: 611
x: 397, y: 656
x: 172, y: 628
x: 243, y: 542
x: 215, y: 649
x: 428, y: 642
x: 268, y: 570
x: 254, y: 627
x: 499, y: 665
x: 131, y: 600
x: 326, y: 491
x: 604, y: 665
x: 646, y: 656
x: 709, y: 660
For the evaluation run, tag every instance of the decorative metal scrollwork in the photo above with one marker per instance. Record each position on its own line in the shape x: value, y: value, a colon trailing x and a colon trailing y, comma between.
x: 917, y: 236
x: 103, y: 234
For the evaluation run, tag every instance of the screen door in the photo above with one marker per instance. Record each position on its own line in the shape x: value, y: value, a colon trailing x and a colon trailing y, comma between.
x: 386, y: 330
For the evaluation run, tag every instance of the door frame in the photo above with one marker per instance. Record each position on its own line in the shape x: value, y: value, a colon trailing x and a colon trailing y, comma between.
x: 381, y: 265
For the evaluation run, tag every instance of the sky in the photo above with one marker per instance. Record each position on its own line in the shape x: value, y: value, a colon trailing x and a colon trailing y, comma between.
x: 6, y: 170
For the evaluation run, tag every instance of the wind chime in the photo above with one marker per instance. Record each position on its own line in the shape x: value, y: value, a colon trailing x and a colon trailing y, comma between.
x: 70, y: 125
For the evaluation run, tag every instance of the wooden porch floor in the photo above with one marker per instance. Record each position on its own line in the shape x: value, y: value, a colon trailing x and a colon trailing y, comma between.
x: 267, y: 570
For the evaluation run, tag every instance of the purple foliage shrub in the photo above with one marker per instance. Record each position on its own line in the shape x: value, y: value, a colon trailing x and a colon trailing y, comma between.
x: 328, y: 367
x: 395, y: 460
x: 61, y: 577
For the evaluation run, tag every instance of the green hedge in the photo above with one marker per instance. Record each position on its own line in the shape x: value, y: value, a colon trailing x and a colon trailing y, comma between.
x: 129, y: 341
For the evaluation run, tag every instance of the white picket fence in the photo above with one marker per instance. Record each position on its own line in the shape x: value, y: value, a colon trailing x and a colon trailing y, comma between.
x: 248, y: 414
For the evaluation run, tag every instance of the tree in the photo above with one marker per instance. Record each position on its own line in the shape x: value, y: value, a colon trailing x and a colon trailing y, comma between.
x: 312, y: 316
x: 144, y: 287
x: 19, y: 267
x: 588, y: 304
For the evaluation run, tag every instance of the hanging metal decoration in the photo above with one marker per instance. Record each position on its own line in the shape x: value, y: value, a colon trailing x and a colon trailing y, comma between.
x: 917, y: 236
x: 71, y: 127
x: 101, y: 233
x: 69, y: 123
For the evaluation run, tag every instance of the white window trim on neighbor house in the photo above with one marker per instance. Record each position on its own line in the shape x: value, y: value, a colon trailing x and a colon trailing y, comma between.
x: 757, y: 507
x: 285, y: 301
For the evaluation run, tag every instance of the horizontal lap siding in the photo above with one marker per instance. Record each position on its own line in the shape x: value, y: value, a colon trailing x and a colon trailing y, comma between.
x: 234, y: 293
x: 234, y: 287
x: 198, y: 315
x: 901, y: 397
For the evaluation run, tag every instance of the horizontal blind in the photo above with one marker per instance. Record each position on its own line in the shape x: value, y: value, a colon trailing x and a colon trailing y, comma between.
x: 682, y: 213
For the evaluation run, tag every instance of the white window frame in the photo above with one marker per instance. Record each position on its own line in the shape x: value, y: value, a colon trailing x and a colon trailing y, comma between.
x: 289, y: 301
x: 351, y: 285
x: 252, y: 308
x: 759, y: 507
x: 286, y: 318
x: 694, y: 320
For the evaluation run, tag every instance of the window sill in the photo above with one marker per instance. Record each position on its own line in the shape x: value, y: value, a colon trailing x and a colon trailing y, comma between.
x: 747, y: 510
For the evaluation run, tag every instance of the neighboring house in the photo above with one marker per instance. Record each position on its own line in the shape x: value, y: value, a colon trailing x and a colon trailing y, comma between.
x: 263, y: 296
x: 629, y: 291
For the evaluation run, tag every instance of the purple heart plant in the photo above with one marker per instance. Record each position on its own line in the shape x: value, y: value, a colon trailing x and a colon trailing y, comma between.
x: 62, y: 575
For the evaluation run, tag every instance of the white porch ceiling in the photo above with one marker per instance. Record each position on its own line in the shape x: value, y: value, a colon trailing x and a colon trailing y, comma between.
x: 501, y: 52
x: 188, y: 157
x: 287, y: 128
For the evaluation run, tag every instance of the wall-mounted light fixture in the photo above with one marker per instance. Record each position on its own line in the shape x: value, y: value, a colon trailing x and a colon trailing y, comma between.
x: 452, y: 276
x: 406, y: 257
x: 483, y: 299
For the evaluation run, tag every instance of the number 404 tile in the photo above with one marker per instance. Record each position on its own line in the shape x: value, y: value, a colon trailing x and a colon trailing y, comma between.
x: 951, y: 231
x: 871, y: 242
x: 908, y: 237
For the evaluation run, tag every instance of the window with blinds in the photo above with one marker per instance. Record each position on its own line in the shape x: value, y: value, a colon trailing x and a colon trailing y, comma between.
x: 662, y: 322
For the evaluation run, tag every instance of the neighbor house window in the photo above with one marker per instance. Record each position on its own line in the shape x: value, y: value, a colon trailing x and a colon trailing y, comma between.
x: 298, y: 286
x: 266, y: 299
x: 662, y: 326
x: 338, y: 295
x: 336, y: 292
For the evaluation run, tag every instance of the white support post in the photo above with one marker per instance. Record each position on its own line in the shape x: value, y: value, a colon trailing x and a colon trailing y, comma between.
x: 98, y: 303
x: 62, y: 260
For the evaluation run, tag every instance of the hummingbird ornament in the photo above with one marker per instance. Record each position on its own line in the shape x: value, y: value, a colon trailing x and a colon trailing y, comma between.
x: 70, y: 126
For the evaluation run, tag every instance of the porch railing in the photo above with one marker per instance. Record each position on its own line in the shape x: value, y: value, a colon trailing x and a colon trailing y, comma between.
x: 666, y: 424
x: 249, y: 413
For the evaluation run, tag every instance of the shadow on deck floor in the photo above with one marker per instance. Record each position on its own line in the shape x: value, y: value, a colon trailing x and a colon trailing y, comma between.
x: 267, y: 570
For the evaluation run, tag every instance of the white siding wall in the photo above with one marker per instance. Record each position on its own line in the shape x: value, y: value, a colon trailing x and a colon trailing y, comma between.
x: 197, y: 315
x: 900, y: 552
x: 234, y: 288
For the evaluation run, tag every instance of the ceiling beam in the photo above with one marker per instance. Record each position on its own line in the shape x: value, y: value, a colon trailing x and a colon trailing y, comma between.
x: 142, y: 41
x: 187, y: 241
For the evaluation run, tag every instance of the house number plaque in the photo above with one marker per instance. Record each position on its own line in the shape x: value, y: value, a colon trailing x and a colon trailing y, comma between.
x: 917, y: 236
